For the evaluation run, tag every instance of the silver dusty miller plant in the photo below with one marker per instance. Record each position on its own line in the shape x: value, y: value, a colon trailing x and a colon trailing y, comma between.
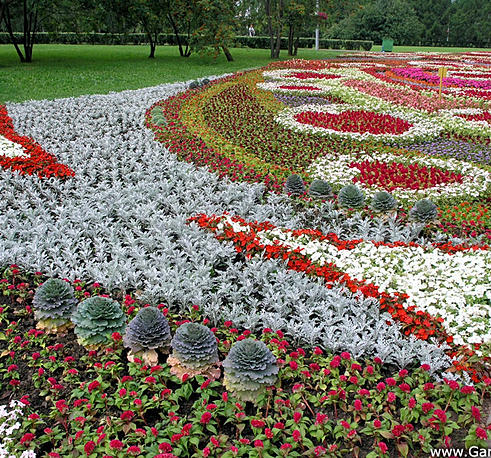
x: 249, y: 368
x: 148, y: 331
x: 54, y: 302
x: 194, y: 352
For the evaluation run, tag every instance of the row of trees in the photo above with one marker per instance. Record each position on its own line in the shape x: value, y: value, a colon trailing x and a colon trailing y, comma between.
x: 210, y: 25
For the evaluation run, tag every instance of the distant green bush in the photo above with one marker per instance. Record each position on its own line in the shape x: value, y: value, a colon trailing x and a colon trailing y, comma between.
x: 256, y: 42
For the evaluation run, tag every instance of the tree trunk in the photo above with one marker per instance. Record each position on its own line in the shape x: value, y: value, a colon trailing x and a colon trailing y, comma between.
x: 295, y: 47
x: 153, y: 44
x: 290, y: 39
x: 8, y: 24
x: 278, y: 30
x: 270, y: 27
x: 227, y: 54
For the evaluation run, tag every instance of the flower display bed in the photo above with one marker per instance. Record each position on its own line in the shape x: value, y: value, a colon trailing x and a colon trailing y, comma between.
x: 347, y: 321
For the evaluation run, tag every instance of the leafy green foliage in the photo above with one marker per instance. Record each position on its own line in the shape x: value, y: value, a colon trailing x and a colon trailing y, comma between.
x: 96, y: 318
x: 351, y: 197
x: 425, y: 211
x: 195, y: 346
x: 147, y: 331
x: 54, y: 301
x: 383, y: 202
x: 294, y: 185
x: 249, y: 368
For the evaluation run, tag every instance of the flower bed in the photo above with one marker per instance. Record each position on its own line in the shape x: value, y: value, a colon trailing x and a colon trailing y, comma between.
x: 352, y: 318
x: 99, y: 404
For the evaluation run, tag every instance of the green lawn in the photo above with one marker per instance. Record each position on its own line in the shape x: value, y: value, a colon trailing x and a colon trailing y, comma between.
x: 378, y: 47
x: 72, y: 70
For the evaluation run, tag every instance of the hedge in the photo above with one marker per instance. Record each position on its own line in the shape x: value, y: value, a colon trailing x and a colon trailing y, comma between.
x: 258, y: 42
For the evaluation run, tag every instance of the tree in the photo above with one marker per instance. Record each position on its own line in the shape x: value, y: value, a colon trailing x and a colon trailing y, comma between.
x: 215, y: 31
x: 470, y: 23
x: 182, y: 16
x: 274, y: 14
x: 33, y: 14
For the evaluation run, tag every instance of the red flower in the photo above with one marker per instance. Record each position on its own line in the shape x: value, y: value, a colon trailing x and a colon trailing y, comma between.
x: 377, y: 423
x: 127, y: 415
x: 481, y: 433
x: 383, y: 447
x: 205, y: 418
x: 297, y: 435
x: 476, y: 413
x: 116, y: 444
x: 257, y: 423
x: 133, y: 450
x: 297, y: 416
x: 93, y: 385
x: 89, y: 447
x: 358, y: 405
x: 27, y: 438
x: 258, y: 443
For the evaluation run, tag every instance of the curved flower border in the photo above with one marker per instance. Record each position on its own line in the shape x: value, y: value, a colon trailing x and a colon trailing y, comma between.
x: 336, y: 170
x: 423, y: 127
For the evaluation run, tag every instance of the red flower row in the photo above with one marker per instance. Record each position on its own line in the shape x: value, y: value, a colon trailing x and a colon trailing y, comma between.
x: 300, y: 88
x: 355, y: 121
x: 311, y: 75
x: 395, y: 175
x: 486, y: 116
x: 38, y: 161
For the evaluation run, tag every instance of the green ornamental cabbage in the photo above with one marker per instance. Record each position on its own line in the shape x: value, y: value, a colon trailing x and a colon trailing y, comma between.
x: 294, y: 185
x: 54, y: 302
x: 425, y: 211
x: 383, y: 202
x: 320, y: 189
x: 249, y: 368
x: 351, y: 197
x: 96, y: 319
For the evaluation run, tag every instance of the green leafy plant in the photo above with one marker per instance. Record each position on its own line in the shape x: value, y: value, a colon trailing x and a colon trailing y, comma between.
x: 145, y: 333
x: 194, y: 351
x: 351, y: 197
x: 96, y: 319
x: 294, y: 185
x: 249, y: 368
x: 320, y: 189
x: 425, y: 211
x: 383, y: 202
x: 54, y: 302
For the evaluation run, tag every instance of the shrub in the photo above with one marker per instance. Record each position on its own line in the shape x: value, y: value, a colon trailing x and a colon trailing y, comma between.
x: 96, y: 319
x: 351, y: 197
x: 294, y: 185
x: 425, y: 211
x: 249, y: 368
x: 194, y: 351
x: 320, y: 189
x: 383, y: 202
x: 54, y: 303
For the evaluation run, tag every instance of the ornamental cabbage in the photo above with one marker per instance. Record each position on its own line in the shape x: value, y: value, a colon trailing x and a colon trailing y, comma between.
x: 146, y: 332
x: 351, y: 197
x: 425, y: 211
x: 249, y: 368
x: 54, y: 302
x: 96, y: 319
x: 194, y: 351
x: 294, y: 185
x: 383, y: 202
x: 320, y: 189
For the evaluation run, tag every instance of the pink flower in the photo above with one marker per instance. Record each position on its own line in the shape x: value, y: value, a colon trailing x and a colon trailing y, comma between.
x: 391, y: 397
x: 481, y: 433
x: 358, y: 405
x: 297, y: 416
x: 89, y: 447
x: 383, y: 447
x: 345, y: 355
x: 116, y: 444
x: 205, y: 418
x: 296, y: 435
x: 133, y: 450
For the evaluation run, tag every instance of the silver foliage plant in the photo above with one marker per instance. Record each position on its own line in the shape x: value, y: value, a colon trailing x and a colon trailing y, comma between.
x: 249, y: 368
x: 122, y: 221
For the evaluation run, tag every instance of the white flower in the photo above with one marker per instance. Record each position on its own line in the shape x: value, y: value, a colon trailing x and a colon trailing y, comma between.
x: 11, y: 149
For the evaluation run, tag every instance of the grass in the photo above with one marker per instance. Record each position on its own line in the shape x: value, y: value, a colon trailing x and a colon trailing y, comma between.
x: 73, y: 70
x: 378, y: 47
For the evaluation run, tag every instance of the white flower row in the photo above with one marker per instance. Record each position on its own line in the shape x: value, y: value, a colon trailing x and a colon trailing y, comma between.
x: 475, y: 180
x: 423, y: 126
x: 11, y: 149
